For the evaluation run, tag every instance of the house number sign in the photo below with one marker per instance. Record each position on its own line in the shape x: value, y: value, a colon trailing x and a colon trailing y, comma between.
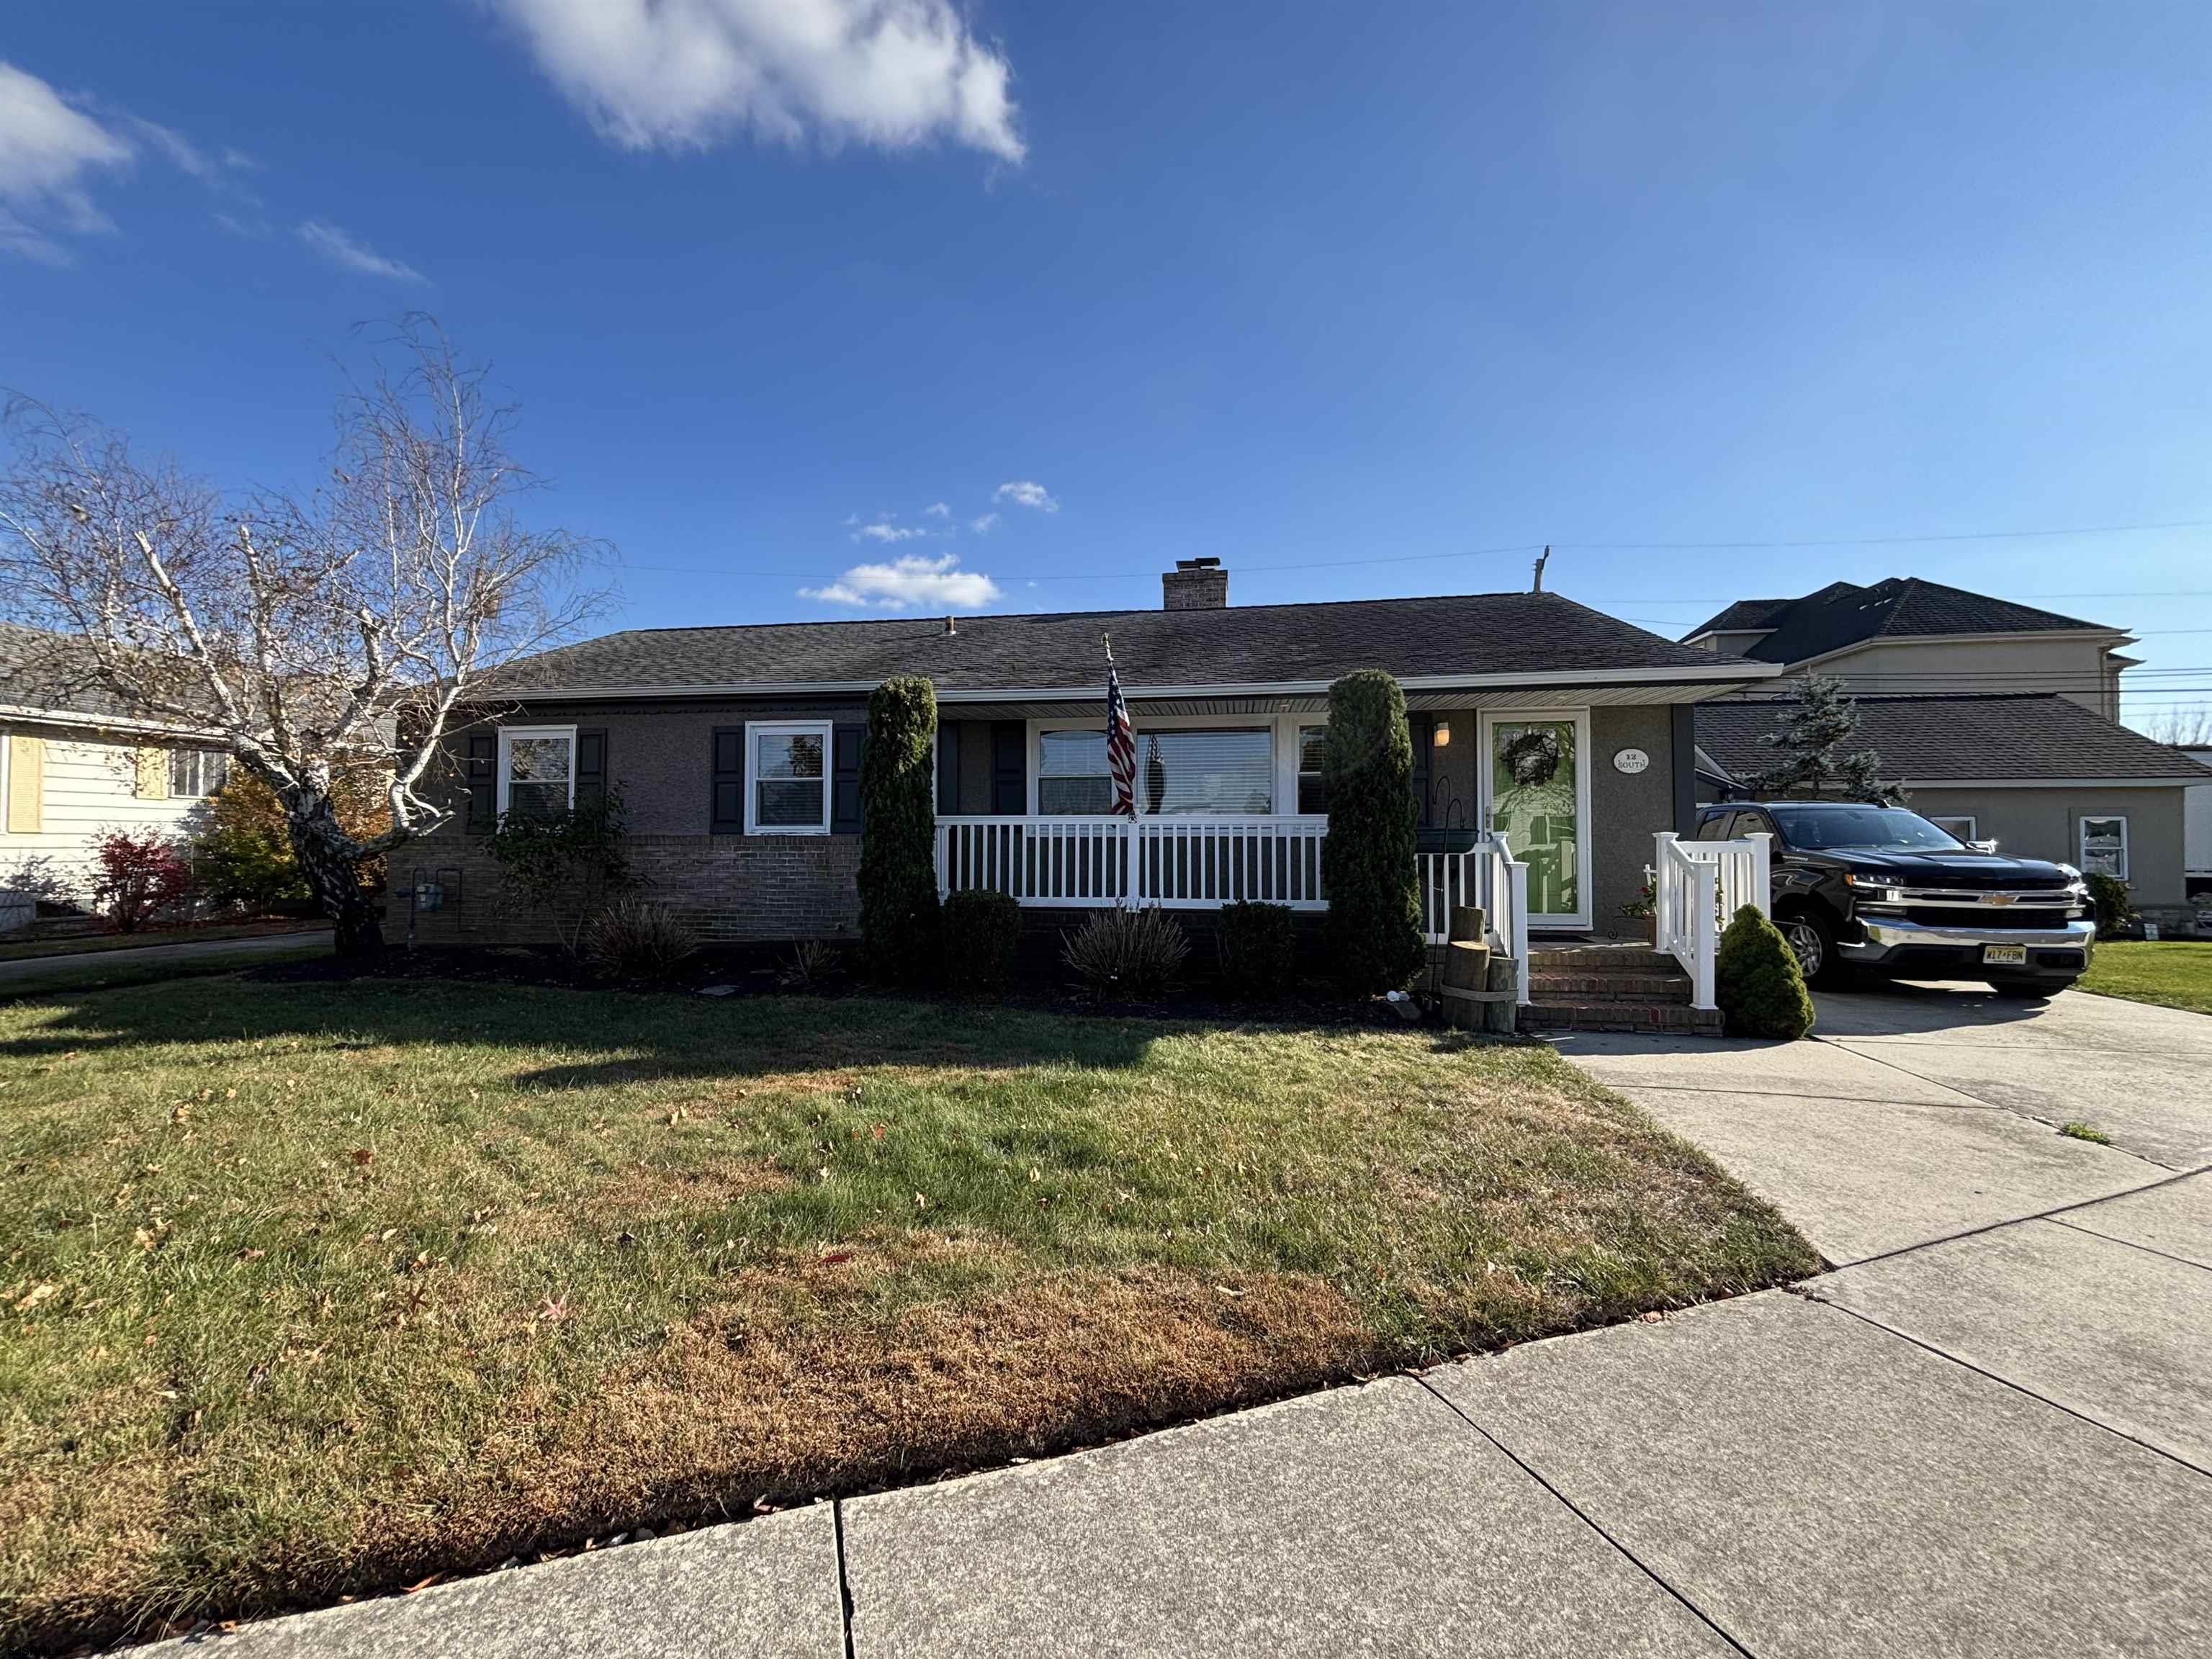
x: 1631, y: 762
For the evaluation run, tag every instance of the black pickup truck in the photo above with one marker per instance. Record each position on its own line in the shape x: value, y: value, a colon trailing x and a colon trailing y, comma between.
x: 1881, y: 891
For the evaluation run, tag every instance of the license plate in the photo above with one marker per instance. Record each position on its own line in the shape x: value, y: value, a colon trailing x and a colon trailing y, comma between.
x: 2004, y: 955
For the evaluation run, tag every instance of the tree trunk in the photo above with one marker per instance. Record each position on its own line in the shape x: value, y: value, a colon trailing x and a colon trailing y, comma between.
x: 335, y: 880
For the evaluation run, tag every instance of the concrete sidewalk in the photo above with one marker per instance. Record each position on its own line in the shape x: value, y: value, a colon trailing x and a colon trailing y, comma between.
x: 1986, y: 1433
x: 24, y: 969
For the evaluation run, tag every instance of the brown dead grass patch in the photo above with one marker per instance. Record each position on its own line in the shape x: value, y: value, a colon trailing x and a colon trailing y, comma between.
x: 748, y: 1403
x: 644, y: 1188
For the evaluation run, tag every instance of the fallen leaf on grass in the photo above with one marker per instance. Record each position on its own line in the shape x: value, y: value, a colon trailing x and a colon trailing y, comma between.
x: 38, y: 1294
x: 363, y: 1157
x: 832, y: 1257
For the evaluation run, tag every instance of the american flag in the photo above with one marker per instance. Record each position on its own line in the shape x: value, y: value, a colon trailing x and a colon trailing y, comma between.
x: 1121, y: 743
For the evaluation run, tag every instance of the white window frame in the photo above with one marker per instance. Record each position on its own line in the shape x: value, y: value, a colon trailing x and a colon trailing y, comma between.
x: 508, y: 733
x: 1033, y: 757
x: 2082, y: 839
x: 1943, y: 821
x: 202, y: 755
x: 825, y: 730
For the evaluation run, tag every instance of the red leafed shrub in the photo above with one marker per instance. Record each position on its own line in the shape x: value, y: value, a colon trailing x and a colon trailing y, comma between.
x: 140, y: 877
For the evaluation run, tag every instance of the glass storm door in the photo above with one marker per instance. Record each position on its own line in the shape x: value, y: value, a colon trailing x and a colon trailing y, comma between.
x: 1536, y: 793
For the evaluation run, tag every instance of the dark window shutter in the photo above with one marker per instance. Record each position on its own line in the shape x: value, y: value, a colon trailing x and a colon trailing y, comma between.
x: 1010, y: 779
x: 1424, y: 730
x: 591, y: 765
x: 948, y: 769
x: 845, y: 779
x: 728, y: 812
x: 482, y: 768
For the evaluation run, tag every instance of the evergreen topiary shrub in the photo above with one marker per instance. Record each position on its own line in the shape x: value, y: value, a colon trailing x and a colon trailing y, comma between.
x: 1367, y: 862
x: 2115, y: 907
x: 898, y: 832
x: 1259, y: 950
x: 983, y: 930
x: 1757, y: 982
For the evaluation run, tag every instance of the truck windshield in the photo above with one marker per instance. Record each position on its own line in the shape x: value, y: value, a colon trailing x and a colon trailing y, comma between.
x: 1818, y: 827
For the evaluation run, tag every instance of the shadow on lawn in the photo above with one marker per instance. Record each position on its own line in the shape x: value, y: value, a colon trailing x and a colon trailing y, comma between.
x: 608, y: 1038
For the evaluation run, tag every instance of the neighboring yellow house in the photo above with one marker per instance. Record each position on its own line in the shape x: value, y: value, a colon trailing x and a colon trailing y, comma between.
x: 70, y: 775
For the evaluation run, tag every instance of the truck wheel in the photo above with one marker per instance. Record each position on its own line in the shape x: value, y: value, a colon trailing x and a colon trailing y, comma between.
x: 1813, y: 941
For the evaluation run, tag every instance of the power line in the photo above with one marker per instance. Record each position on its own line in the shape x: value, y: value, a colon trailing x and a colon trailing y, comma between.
x: 1882, y: 541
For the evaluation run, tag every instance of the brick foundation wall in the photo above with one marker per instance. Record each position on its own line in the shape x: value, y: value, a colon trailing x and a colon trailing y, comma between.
x: 733, y: 889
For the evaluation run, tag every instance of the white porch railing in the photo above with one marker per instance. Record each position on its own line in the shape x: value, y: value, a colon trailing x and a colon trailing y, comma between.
x: 1204, y: 863
x: 1486, y: 874
x: 1696, y: 886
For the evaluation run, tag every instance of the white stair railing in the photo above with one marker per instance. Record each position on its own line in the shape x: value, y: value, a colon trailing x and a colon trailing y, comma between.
x: 1696, y: 887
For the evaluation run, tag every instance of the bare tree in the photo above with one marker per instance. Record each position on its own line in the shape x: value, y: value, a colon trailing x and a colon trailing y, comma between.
x: 2184, y: 728
x: 309, y: 634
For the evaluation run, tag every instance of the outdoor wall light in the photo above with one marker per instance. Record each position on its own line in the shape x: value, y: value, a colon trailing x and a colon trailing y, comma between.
x: 1442, y: 737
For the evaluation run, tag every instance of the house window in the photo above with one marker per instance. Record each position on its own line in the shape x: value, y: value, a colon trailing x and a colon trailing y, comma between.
x: 1181, y: 772
x: 197, y: 772
x: 1072, y: 775
x: 2103, y: 847
x: 537, y: 769
x: 1313, y: 797
x: 787, y: 778
x: 1960, y: 828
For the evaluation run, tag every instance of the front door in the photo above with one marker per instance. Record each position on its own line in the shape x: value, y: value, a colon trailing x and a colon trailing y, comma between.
x: 1536, y: 790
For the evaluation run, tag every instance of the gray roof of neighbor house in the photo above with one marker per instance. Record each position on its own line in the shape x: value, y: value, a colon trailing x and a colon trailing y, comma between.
x: 2001, y: 737
x: 1743, y: 614
x: 1468, y: 635
x: 1843, y: 613
x: 39, y: 669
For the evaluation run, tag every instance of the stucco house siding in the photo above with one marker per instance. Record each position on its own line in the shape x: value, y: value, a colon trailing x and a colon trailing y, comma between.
x: 2044, y: 821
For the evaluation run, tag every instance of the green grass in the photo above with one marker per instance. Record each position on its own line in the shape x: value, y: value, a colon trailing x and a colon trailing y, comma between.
x: 46, y: 980
x: 2172, y: 973
x: 307, y: 1289
x: 2075, y: 1129
x: 87, y: 944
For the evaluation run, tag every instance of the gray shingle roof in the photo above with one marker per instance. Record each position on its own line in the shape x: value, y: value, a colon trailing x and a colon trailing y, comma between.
x: 1999, y: 736
x: 1472, y: 633
x: 51, y: 671
x: 1843, y: 613
x: 1744, y: 613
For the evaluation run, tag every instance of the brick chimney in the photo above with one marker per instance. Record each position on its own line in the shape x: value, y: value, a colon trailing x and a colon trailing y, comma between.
x: 1195, y: 585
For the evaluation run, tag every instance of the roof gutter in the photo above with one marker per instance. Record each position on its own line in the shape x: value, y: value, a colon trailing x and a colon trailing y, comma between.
x: 79, y: 719
x: 1723, y: 673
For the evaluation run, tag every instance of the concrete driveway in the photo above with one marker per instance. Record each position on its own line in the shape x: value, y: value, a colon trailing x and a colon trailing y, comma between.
x: 1986, y: 1433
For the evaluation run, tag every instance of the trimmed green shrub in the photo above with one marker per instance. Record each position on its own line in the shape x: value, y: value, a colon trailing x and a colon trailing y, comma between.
x: 2114, y: 905
x: 1127, y: 953
x: 1757, y: 982
x: 982, y: 929
x: 898, y: 832
x: 1259, y: 948
x: 1367, y: 862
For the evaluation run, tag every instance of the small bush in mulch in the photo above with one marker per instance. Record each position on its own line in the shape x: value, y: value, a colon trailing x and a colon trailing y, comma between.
x: 1757, y: 982
x: 1128, y: 953
x: 1258, y: 948
x: 982, y: 933
x: 637, y: 940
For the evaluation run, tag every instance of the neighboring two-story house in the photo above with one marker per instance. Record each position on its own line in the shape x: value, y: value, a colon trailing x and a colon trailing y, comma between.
x: 2000, y: 719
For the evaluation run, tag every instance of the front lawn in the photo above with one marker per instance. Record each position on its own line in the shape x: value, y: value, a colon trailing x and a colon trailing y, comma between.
x: 312, y: 1288
x: 2172, y: 973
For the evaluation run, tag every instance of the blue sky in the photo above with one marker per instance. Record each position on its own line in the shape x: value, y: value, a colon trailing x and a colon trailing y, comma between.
x: 1330, y: 293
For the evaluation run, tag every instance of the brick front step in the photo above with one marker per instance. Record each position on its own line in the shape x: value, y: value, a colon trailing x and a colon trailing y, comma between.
x: 1620, y: 1017
x: 1589, y: 958
x: 1552, y: 986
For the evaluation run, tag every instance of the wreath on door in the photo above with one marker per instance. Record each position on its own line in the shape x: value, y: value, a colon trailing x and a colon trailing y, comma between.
x: 1533, y: 758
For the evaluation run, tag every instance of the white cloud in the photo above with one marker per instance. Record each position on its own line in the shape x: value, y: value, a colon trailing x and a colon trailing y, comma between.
x: 937, y: 510
x: 982, y: 522
x: 907, y: 583
x: 341, y: 250
x: 49, y: 152
x: 1028, y: 493
x: 882, y: 532
x: 683, y: 73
